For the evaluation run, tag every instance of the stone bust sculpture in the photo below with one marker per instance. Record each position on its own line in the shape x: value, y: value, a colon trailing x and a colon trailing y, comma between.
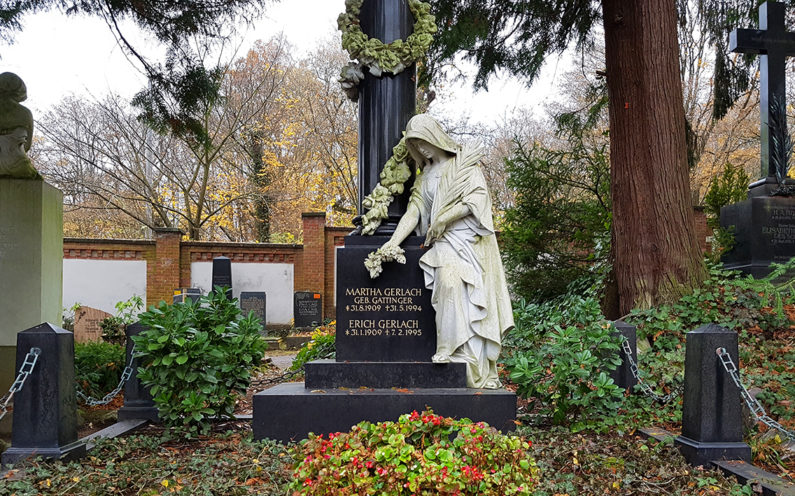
x: 16, y: 129
x: 450, y: 205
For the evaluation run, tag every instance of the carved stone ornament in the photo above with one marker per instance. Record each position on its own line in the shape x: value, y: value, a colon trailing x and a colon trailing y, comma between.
x: 16, y: 129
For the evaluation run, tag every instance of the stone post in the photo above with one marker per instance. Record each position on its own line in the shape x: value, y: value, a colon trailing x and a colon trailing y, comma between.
x: 622, y: 375
x: 712, y: 427
x: 45, y: 409
x: 138, y: 403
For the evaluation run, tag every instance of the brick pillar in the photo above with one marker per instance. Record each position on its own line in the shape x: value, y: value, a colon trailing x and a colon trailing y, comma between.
x: 314, y: 252
x: 162, y: 276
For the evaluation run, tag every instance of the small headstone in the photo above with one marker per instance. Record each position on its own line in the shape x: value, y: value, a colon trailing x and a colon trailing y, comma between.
x: 253, y: 301
x: 222, y: 274
x: 307, y: 309
x: 183, y: 294
x: 622, y: 375
x: 87, y: 322
x: 45, y: 409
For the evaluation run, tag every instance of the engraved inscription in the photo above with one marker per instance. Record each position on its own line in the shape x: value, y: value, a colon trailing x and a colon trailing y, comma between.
x: 780, y: 235
x: 398, y: 301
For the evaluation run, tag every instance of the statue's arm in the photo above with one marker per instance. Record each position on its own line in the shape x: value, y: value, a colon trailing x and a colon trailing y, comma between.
x: 406, y: 225
x: 438, y: 225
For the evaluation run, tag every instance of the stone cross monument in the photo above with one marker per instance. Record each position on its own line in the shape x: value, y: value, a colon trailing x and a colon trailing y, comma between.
x: 773, y: 43
x: 764, y: 224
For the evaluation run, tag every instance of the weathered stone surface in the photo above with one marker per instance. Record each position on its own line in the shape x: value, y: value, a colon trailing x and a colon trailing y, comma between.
x: 307, y: 309
x: 87, y: 322
x: 622, y: 375
x: 45, y: 409
x: 254, y: 301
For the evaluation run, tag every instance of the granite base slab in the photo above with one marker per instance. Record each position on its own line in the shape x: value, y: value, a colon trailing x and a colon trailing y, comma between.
x: 290, y: 411
x: 700, y: 453
x: 68, y: 452
x: 332, y: 374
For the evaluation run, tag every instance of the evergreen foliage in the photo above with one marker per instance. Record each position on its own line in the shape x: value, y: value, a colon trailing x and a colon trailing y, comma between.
x: 559, y: 226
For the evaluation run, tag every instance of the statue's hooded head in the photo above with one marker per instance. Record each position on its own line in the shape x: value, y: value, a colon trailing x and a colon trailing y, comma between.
x: 426, y: 128
x: 12, y: 87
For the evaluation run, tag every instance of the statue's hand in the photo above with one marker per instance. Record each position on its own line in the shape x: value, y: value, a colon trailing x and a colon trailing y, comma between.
x: 434, y: 233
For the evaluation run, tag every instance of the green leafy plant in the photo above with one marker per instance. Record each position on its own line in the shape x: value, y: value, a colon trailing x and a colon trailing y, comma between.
x: 322, y: 345
x: 98, y: 367
x: 731, y: 186
x: 560, y: 354
x: 126, y: 311
x: 196, y: 357
x: 418, y: 454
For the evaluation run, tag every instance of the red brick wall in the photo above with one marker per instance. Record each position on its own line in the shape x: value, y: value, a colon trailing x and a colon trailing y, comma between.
x: 335, y: 236
x: 314, y: 260
x: 702, y: 230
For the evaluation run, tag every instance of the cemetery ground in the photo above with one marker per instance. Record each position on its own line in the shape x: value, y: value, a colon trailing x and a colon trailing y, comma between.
x: 585, y: 437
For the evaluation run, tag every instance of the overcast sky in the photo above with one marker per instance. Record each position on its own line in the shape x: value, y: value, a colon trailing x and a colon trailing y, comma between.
x: 57, y: 55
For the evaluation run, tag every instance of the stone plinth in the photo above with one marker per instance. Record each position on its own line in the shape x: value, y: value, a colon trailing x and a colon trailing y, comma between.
x: 138, y: 403
x: 291, y: 411
x: 31, y: 262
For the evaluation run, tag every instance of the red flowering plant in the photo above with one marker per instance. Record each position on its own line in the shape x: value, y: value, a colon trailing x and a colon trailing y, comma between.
x: 420, y: 454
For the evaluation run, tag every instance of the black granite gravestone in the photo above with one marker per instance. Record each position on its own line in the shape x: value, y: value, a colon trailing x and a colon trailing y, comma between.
x: 222, y: 274
x: 712, y: 427
x: 307, y: 309
x: 45, y: 409
x: 622, y: 375
x: 764, y: 225
x: 138, y: 403
x: 254, y: 301
x: 183, y: 294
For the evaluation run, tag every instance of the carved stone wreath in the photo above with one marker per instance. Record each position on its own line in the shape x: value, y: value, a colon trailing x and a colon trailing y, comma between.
x: 377, y: 56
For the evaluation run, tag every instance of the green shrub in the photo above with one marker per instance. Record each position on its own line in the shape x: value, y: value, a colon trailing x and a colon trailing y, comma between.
x: 418, y: 454
x: 113, y: 327
x: 731, y: 186
x: 196, y: 357
x: 322, y: 345
x: 98, y: 367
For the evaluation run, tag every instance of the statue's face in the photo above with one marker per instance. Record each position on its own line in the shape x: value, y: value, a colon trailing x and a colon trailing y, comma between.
x: 425, y: 149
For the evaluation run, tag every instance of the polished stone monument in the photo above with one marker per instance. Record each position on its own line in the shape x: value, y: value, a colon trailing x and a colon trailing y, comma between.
x: 386, y: 327
x: 31, y: 231
x: 764, y: 224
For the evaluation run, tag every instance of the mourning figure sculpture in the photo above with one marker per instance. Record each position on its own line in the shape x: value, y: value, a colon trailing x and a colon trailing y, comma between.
x: 16, y: 129
x: 450, y: 205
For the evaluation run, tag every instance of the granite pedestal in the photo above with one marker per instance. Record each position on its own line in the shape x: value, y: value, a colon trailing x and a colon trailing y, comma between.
x: 386, y: 336
x: 764, y: 229
x: 138, y: 402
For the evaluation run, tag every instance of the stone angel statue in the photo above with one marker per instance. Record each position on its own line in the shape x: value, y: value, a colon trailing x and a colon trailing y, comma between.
x: 16, y: 129
x: 450, y: 205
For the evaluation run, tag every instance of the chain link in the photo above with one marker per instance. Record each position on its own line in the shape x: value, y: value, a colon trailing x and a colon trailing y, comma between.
x: 24, y: 371
x: 645, y: 388
x: 757, y: 410
x: 125, y: 376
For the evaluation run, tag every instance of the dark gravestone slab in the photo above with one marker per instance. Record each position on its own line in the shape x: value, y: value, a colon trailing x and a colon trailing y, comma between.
x: 183, y: 294
x: 290, y: 411
x: 254, y: 301
x: 45, y: 409
x: 764, y: 232
x: 138, y: 403
x: 389, y: 318
x: 222, y: 274
x: 712, y: 426
x: 622, y: 375
x: 307, y: 309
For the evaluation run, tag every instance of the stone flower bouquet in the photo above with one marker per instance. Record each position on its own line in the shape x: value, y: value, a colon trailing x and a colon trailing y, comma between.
x: 387, y: 253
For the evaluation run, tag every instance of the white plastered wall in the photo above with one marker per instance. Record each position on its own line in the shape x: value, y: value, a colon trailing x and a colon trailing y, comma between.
x: 275, y: 279
x: 102, y: 283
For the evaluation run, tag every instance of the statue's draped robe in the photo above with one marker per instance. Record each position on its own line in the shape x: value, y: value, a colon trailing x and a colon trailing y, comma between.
x: 463, y: 268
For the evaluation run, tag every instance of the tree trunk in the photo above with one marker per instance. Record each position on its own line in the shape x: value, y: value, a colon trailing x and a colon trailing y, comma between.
x: 657, y: 257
